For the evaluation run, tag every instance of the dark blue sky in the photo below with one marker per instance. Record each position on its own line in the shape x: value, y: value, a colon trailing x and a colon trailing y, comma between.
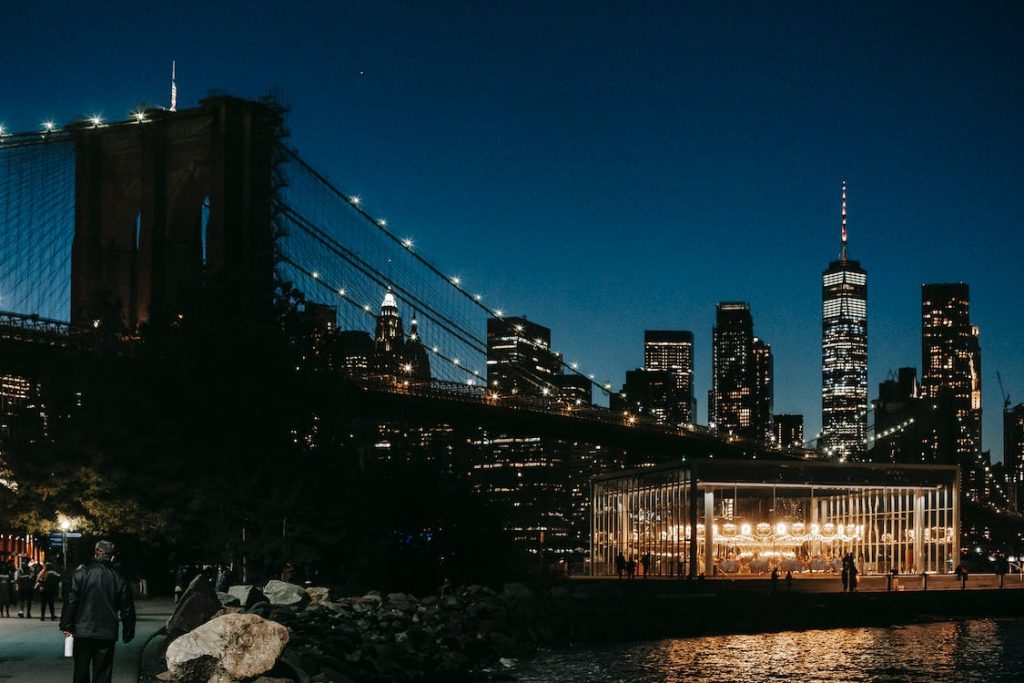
x: 611, y: 167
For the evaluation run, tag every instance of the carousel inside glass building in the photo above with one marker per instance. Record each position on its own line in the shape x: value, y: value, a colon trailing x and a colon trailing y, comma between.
x: 746, y: 518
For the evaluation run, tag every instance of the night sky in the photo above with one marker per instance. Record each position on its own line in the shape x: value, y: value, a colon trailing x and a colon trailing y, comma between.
x: 610, y: 167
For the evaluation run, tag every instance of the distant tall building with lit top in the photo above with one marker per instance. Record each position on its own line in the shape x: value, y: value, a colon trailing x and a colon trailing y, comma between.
x: 844, y: 355
x: 672, y: 351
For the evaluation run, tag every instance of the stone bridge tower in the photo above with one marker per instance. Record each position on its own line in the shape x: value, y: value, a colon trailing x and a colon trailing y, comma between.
x: 160, y: 202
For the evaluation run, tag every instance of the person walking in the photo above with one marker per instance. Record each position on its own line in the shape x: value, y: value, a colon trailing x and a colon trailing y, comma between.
x: 645, y: 562
x: 99, y: 595
x: 6, y: 588
x: 47, y: 582
x: 25, y: 581
x: 182, y: 577
x: 775, y: 579
x: 620, y: 564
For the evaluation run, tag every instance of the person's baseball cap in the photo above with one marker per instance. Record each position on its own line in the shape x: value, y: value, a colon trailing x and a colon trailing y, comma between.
x: 105, y: 547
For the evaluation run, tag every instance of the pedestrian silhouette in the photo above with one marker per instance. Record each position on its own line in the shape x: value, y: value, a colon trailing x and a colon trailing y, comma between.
x: 99, y: 594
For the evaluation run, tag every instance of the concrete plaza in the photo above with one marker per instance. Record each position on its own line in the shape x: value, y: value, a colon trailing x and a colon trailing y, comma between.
x: 32, y: 651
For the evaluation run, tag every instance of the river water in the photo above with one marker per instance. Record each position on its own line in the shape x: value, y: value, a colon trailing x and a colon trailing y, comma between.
x: 983, y: 650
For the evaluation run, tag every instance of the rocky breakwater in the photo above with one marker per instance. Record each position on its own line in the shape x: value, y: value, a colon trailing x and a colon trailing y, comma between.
x: 466, y: 633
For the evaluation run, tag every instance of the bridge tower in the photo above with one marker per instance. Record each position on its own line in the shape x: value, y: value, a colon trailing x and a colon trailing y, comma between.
x: 161, y: 202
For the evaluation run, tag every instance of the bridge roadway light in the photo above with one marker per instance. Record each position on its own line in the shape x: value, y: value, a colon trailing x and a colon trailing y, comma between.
x: 456, y: 280
x: 48, y: 126
x: 407, y: 243
x: 96, y: 120
x: 139, y: 116
x: 355, y: 200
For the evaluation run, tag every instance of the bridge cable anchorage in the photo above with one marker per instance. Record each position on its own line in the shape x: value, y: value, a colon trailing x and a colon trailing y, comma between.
x: 356, y: 204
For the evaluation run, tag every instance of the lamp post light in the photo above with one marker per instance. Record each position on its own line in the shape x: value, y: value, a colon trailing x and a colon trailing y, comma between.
x: 65, y: 526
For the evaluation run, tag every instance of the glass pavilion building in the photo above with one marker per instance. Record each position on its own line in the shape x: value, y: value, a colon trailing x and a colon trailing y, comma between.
x: 747, y: 517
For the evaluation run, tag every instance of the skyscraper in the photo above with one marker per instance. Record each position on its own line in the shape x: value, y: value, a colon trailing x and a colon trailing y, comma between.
x: 764, y: 390
x: 910, y: 428
x: 731, y: 401
x: 844, y: 355
x: 1013, y: 453
x: 672, y: 351
x: 951, y: 364
x: 389, y: 340
x: 648, y: 393
x: 393, y: 353
x: 788, y: 430
x: 519, y: 358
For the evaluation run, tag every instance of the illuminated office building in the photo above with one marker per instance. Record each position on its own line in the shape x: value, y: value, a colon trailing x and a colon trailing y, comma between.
x: 394, y: 354
x: 764, y: 390
x: 908, y: 427
x: 788, y: 430
x: 739, y: 402
x: 1013, y: 453
x: 647, y: 393
x: 574, y: 391
x: 844, y: 356
x: 951, y: 365
x: 672, y: 351
x: 520, y: 361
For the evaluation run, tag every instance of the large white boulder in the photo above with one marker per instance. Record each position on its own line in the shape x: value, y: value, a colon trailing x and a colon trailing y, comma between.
x: 284, y: 593
x: 232, y: 647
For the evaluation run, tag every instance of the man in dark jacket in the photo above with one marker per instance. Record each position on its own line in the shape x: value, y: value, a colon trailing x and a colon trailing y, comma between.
x: 99, y: 593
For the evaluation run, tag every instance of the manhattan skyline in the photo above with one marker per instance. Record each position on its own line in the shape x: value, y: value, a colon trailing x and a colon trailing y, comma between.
x: 632, y: 177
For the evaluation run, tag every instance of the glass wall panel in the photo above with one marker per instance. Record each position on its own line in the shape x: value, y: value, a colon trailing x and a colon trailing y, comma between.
x: 901, y: 519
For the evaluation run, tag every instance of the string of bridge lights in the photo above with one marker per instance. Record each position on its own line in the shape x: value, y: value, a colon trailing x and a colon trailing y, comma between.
x: 895, y: 430
x: 407, y: 243
x: 379, y: 278
x: 367, y: 309
x: 49, y: 127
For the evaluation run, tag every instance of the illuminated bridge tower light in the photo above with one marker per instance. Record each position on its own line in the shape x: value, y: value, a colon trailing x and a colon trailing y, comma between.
x: 844, y: 356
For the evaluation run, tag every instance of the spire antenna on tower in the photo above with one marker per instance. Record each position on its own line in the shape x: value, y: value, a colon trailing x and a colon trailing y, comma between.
x: 174, y: 89
x: 844, y: 222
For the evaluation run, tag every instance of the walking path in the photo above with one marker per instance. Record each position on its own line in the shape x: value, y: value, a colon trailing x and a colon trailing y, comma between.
x: 32, y: 651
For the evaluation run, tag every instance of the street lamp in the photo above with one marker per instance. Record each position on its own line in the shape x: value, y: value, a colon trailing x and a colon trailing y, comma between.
x: 65, y: 526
